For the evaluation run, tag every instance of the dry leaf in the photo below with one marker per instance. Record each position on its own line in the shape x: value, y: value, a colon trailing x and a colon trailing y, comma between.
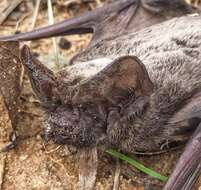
x: 10, y: 77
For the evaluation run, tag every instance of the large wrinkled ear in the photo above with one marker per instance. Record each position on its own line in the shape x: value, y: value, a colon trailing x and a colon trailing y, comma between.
x: 42, y: 79
x: 126, y: 76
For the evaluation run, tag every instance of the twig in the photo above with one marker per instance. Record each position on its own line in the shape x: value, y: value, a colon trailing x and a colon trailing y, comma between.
x: 67, y: 3
x: 51, y: 21
x: 21, y: 20
x: 2, y: 169
x: 99, y: 3
x: 35, y: 14
x: 34, y: 18
x: 56, y: 161
x: 116, y: 176
x: 53, y: 150
x: 6, y: 12
x: 88, y: 163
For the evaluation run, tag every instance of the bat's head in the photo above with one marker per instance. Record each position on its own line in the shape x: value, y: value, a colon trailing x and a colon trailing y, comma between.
x: 77, y: 108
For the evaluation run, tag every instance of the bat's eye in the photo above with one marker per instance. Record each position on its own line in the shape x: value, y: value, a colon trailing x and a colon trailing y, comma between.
x: 56, y: 103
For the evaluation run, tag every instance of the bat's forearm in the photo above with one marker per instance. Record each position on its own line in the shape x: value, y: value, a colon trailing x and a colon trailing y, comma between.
x: 85, y: 23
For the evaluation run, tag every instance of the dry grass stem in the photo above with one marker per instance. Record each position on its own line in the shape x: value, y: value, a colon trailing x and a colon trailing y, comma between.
x: 51, y: 21
x: 2, y: 168
x: 117, y: 175
x: 8, y: 10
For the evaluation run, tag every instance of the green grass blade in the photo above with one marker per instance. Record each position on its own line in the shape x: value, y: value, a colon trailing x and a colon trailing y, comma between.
x: 137, y: 165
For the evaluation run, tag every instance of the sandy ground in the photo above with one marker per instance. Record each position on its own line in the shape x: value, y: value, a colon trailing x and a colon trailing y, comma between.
x: 34, y: 165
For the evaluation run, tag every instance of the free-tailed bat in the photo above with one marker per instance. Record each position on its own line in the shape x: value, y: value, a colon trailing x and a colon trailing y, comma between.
x: 138, y: 92
x: 126, y: 103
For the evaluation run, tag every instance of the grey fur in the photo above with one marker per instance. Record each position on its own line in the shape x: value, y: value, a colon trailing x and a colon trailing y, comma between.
x: 171, y: 52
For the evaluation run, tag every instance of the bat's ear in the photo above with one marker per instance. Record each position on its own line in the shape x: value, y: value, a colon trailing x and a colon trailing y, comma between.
x: 125, y: 77
x: 42, y: 79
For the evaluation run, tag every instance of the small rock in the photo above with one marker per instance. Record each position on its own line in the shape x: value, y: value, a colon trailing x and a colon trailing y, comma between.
x: 23, y: 157
x: 64, y: 44
x: 36, y: 54
x: 17, y: 32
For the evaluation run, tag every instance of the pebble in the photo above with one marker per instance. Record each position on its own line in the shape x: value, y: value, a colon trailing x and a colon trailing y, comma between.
x: 64, y: 44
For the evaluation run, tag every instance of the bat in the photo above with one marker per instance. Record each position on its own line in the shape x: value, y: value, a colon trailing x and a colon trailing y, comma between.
x: 149, y: 88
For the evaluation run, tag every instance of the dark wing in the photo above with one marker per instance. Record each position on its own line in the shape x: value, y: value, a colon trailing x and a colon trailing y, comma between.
x: 186, y: 119
x: 98, y: 22
x: 188, y: 168
x: 112, y: 20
